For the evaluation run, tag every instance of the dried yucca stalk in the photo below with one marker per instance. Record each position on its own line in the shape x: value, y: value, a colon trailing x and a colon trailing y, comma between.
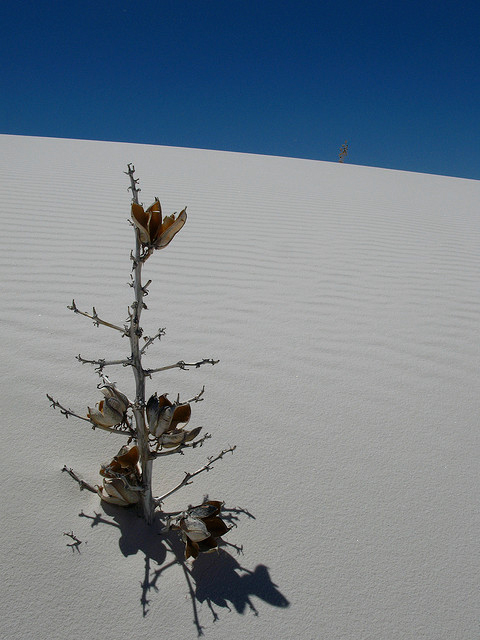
x: 155, y: 427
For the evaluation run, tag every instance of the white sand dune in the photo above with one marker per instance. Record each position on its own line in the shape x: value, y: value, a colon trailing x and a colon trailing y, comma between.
x: 343, y: 304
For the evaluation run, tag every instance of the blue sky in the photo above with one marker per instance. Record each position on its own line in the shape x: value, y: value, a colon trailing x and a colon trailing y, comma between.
x: 398, y: 80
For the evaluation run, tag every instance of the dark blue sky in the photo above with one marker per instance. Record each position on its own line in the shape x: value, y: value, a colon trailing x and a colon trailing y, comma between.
x: 398, y: 80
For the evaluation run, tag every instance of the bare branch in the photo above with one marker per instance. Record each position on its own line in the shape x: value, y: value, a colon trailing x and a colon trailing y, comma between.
x: 133, y: 181
x: 148, y: 341
x: 127, y: 430
x: 188, y: 476
x: 64, y: 411
x: 82, y: 483
x: 182, y: 365
x: 96, y: 320
x: 101, y: 363
x: 198, y: 397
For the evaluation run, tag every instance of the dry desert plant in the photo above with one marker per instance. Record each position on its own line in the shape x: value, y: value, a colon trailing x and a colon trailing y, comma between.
x: 152, y: 428
x: 343, y: 152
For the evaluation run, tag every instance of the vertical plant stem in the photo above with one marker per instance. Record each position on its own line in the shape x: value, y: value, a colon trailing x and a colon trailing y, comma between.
x: 135, y: 332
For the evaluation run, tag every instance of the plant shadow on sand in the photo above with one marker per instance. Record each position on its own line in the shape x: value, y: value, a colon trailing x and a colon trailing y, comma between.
x: 216, y: 578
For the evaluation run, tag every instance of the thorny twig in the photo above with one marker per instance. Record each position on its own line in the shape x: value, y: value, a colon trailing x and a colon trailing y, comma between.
x: 188, y: 476
x: 82, y: 483
x: 133, y: 181
x: 101, y: 362
x: 96, y: 320
x: 67, y: 412
x: 148, y: 341
x: 198, y: 397
x: 64, y: 411
x: 182, y: 365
